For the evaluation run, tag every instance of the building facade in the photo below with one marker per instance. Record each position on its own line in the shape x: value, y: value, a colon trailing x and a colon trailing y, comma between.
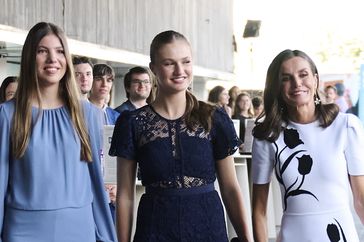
x: 119, y: 32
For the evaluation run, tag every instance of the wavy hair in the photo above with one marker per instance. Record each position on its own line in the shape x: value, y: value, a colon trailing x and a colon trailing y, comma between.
x: 271, y: 121
x: 28, y: 88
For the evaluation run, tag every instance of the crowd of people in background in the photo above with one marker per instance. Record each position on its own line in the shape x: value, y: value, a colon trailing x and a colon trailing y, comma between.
x: 56, y: 108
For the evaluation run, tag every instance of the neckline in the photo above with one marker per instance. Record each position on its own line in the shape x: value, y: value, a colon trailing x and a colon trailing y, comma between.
x: 316, y: 121
x: 48, y: 109
x: 164, y: 118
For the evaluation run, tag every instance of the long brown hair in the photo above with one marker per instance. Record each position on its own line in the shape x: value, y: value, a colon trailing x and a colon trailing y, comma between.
x: 197, y: 112
x: 29, y: 87
x: 215, y: 93
x: 237, y: 109
x: 270, y: 122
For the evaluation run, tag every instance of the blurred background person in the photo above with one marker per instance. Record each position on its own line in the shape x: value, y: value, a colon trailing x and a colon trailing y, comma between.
x: 104, y: 75
x: 8, y: 88
x: 220, y: 96
x: 258, y: 105
x: 100, y: 92
x: 234, y: 91
x: 341, y: 100
x: 83, y: 73
x: 243, y: 110
x: 138, y: 84
x: 330, y: 94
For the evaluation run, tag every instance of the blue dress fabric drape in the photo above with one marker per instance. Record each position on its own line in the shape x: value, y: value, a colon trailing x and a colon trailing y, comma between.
x: 49, y: 194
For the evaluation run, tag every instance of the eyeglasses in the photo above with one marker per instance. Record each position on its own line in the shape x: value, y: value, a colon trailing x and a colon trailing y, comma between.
x: 139, y: 82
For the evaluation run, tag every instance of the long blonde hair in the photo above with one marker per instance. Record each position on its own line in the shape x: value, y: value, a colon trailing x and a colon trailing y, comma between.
x: 28, y: 88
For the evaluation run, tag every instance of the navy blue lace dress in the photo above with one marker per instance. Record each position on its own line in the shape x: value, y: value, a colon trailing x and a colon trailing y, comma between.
x: 177, y: 167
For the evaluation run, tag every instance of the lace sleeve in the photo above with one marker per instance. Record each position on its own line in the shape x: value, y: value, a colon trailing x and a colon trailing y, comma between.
x: 122, y: 143
x: 224, y: 139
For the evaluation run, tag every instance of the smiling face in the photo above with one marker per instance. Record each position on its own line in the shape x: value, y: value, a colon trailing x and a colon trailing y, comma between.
x: 244, y: 103
x: 140, y: 86
x: 173, y: 66
x: 299, y: 84
x: 50, y: 61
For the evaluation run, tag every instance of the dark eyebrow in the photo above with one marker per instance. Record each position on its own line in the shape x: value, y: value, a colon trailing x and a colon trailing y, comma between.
x: 45, y: 47
x: 301, y: 70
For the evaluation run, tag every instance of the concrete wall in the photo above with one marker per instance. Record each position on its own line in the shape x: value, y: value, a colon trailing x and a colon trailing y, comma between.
x: 131, y: 24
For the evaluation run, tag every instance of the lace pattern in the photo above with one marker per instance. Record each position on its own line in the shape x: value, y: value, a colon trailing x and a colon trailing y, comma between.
x: 172, y: 156
x: 169, y: 153
x: 181, y: 182
x: 162, y: 128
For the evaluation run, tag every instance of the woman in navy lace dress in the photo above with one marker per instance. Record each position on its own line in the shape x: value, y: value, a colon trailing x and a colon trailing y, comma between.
x: 180, y: 144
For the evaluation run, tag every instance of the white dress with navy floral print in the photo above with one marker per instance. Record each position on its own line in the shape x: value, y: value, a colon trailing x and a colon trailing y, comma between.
x: 312, y: 165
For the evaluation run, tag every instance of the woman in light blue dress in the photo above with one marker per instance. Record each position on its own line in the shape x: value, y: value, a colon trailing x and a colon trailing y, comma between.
x: 51, y: 188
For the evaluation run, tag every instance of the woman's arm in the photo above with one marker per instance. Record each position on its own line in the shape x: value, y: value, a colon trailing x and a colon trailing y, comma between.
x: 232, y: 197
x: 126, y: 175
x: 357, y: 186
x: 260, y: 199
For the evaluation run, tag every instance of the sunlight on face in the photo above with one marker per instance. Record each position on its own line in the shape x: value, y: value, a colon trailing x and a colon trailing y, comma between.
x: 298, y: 83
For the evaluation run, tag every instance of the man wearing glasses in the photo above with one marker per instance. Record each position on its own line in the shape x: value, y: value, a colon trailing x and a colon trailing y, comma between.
x: 138, y: 83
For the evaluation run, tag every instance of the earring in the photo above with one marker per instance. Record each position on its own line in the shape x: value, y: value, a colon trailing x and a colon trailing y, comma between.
x: 317, y: 100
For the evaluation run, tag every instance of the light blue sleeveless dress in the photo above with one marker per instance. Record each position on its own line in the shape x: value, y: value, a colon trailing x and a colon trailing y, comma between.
x: 50, y: 195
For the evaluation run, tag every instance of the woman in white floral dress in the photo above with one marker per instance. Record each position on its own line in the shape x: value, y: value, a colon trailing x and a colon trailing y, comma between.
x: 315, y: 152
